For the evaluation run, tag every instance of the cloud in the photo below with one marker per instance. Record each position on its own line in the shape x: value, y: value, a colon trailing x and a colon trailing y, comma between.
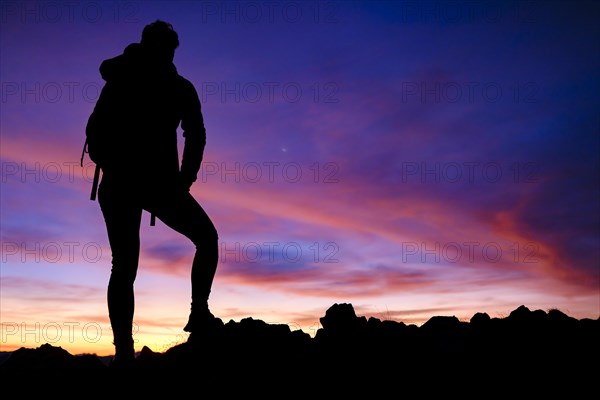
x: 45, y: 291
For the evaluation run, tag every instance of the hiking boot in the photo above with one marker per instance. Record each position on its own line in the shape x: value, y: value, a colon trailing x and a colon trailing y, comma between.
x: 124, y: 354
x: 200, y: 318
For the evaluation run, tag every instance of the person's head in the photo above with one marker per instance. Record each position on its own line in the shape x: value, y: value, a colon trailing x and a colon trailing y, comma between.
x: 160, y: 40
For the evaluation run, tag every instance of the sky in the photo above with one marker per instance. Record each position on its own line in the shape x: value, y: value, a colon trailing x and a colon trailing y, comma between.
x: 413, y: 159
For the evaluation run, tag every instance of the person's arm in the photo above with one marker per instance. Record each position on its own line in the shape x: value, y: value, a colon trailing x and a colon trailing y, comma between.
x: 194, y: 133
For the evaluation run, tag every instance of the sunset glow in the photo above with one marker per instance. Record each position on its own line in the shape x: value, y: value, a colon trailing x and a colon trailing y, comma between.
x: 411, y: 158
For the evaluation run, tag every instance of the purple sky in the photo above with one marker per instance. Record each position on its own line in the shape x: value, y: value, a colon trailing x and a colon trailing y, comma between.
x: 411, y: 158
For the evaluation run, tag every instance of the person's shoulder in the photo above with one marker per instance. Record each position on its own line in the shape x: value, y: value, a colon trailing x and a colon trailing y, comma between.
x: 185, y: 83
x: 183, y: 80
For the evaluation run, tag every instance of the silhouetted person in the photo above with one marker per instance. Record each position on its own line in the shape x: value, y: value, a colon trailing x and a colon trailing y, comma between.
x: 132, y: 136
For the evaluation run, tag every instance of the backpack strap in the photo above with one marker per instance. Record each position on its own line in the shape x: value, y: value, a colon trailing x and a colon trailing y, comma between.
x: 96, y: 171
x: 95, y: 183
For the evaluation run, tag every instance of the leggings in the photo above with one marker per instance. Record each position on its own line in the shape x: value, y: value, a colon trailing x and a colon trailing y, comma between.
x: 122, y: 207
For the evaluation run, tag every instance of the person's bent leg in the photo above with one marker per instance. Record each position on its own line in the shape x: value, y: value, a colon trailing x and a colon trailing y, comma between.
x: 122, y: 217
x: 183, y: 214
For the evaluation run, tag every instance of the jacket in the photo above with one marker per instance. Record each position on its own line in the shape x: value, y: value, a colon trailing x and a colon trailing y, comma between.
x: 132, y: 131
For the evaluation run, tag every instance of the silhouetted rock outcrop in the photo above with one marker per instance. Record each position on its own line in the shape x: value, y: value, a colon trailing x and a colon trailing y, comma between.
x: 479, y: 319
x: 52, y: 358
x: 526, y: 339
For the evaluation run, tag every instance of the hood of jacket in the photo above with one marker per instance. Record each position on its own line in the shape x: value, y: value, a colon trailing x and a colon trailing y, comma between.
x: 135, y: 61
